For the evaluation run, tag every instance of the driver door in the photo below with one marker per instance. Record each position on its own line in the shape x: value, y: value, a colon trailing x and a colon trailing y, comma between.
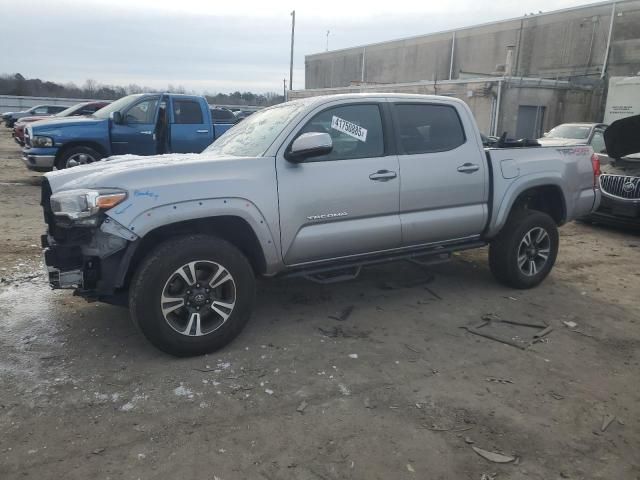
x: 344, y: 203
x: 135, y: 135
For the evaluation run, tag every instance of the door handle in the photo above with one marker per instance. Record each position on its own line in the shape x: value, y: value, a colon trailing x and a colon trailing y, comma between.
x: 469, y: 168
x: 382, y: 175
x: 202, y: 131
x: 146, y: 132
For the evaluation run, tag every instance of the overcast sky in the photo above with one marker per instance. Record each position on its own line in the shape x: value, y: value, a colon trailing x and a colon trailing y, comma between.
x: 215, y: 46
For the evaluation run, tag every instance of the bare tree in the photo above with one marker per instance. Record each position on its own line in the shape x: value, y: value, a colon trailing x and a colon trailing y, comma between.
x: 90, y: 87
x: 16, y: 84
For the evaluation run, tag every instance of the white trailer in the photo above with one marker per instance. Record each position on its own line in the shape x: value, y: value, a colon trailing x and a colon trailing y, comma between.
x: 623, y: 99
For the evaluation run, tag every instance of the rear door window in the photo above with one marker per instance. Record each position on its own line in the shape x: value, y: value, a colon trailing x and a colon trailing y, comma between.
x: 428, y: 128
x: 187, y: 112
x: 355, y: 130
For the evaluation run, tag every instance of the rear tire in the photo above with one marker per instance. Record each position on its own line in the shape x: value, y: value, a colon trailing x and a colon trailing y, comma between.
x: 525, y: 250
x: 192, y: 295
x: 82, y: 155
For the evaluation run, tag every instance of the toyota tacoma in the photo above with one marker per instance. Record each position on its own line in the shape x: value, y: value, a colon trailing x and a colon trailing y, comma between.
x: 315, y: 188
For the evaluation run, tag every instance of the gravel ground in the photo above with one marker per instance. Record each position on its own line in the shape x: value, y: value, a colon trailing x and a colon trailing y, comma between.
x: 397, y: 390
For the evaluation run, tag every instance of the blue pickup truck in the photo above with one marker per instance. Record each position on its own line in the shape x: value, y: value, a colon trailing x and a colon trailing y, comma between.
x: 144, y: 124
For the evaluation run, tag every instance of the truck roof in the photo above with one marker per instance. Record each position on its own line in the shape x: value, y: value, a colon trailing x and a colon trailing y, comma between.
x: 396, y: 96
x: 591, y: 124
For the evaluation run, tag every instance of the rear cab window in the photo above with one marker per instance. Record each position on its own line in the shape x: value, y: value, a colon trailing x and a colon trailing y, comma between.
x: 427, y: 128
x: 356, y: 131
x: 220, y: 115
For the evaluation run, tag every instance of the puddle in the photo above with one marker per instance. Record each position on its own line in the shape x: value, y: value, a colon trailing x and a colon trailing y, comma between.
x: 29, y: 329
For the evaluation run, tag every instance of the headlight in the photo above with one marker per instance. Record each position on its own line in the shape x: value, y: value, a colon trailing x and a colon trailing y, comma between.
x: 41, y: 142
x: 82, y: 206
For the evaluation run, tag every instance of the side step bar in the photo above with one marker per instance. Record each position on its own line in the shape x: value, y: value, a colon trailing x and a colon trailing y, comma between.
x: 334, y: 275
x: 349, y: 270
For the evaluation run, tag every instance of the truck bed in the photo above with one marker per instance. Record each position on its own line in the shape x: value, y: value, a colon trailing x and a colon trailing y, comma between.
x: 514, y: 170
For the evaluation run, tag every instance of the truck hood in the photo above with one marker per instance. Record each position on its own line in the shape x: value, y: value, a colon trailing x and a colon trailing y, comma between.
x: 34, y: 118
x: 622, y: 137
x: 130, y: 172
x: 61, y: 122
x: 560, y: 142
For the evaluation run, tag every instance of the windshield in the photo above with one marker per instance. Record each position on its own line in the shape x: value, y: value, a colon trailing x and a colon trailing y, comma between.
x: 253, y: 136
x: 115, y: 106
x: 578, y: 132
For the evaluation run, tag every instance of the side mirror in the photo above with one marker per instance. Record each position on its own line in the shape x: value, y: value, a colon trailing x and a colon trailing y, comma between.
x: 116, y: 117
x: 545, y: 134
x: 307, y: 145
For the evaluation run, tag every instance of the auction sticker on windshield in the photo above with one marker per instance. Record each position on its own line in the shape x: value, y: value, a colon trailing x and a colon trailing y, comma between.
x: 351, y: 129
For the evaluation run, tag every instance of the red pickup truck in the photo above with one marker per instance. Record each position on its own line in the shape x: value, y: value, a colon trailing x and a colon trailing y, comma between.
x: 85, y: 108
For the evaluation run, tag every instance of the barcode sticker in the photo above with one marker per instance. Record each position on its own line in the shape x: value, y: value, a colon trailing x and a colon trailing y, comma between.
x: 349, y: 128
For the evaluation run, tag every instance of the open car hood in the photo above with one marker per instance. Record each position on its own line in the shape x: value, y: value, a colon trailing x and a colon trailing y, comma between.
x: 622, y: 137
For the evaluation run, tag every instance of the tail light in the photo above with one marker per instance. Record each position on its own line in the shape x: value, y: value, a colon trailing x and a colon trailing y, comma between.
x: 595, y: 164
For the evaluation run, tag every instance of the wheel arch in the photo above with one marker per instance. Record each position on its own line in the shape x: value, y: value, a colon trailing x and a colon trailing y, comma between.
x: 546, y: 197
x: 233, y: 229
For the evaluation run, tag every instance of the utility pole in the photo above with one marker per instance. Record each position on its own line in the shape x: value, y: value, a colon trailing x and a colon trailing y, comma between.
x: 605, y: 62
x: 284, y: 92
x: 328, y: 32
x: 293, y: 30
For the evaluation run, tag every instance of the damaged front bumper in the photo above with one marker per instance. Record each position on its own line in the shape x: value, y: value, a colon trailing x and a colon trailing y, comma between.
x: 64, y: 264
x: 92, y: 260
x: 89, y: 260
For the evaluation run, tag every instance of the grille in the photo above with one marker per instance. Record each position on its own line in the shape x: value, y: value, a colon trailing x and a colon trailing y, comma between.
x: 621, y: 186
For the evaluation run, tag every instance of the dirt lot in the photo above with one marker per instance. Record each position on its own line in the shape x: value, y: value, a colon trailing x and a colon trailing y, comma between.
x: 395, y: 391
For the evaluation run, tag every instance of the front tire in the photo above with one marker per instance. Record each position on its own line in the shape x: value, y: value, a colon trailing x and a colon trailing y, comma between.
x: 192, y: 295
x: 524, y: 252
x: 77, y: 156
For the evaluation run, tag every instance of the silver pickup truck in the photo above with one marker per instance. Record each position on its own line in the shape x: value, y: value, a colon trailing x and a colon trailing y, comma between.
x: 316, y: 188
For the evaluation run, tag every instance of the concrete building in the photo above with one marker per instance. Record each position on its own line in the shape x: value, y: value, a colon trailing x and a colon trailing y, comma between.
x: 521, y: 106
x: 564, y: 44
x: 523, y: 75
